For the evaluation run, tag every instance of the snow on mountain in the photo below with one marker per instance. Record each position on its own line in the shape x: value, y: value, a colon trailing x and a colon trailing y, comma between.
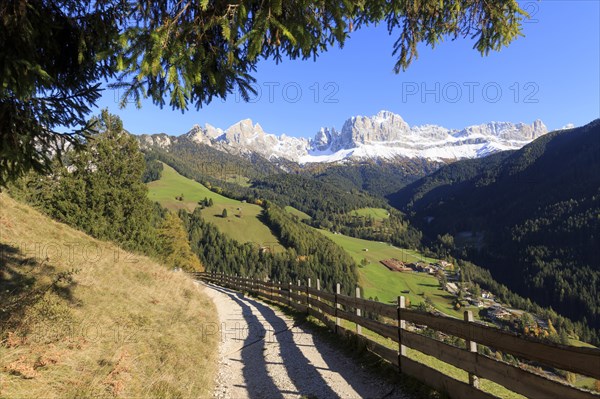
x: 386, y: 135
x: 382, y: 136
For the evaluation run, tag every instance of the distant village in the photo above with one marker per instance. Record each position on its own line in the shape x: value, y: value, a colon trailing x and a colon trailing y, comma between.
x: 494, y: 311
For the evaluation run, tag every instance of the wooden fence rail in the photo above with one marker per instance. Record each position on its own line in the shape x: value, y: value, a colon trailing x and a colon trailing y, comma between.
x: 390, y: 322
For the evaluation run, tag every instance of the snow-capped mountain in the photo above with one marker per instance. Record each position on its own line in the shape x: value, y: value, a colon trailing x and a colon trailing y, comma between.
x: 382, y: 136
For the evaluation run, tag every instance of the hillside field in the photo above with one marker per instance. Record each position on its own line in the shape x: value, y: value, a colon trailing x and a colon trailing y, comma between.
x: 378, y: 214
x: 378, y: 281
x: 242, y: 223
x: 301, y: 215
x: 82, y: 318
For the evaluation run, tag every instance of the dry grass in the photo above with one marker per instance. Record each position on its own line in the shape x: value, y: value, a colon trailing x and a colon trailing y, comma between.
x: 82, y: 318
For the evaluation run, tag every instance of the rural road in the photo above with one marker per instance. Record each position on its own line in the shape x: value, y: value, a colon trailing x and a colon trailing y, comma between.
x: 264, y: 355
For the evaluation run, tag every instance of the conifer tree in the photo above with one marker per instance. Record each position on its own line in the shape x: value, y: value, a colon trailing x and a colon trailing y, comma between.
x: 185, y: 53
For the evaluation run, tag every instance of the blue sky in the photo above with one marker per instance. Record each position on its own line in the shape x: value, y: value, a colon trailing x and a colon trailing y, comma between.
x: 552, y: 74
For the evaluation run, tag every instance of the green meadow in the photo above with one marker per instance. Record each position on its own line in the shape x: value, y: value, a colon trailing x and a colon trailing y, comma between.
x: 242, y: 222
x: 301, y: 215
x: 378, y: 281
x: 378, y: 214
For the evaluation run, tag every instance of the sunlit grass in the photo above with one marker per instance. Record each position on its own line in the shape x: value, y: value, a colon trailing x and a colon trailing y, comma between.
x: 124, y: 327
x: 242, y: 222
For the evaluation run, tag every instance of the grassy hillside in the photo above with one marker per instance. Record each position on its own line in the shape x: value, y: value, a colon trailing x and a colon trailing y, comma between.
x: 378, y: 214
x: 301, y: 215
x: 378, y: 281
x: 82, y: 318
x: 242, y: 223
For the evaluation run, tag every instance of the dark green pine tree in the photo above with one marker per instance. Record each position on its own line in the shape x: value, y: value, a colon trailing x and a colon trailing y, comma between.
x: 55, y: 53
x: 100, y: 189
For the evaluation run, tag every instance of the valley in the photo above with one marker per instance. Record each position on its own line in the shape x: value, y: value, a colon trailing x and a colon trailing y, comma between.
x: 374, y: 278
x: 379, y: 282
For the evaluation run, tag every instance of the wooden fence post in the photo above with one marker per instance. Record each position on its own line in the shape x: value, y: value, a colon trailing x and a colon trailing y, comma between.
x: 279, y: 295
x: 318, y: 297
x: 401, y: 326
x: 471, y: 347
x: 308, y: 286
x: 299, y: 293
x: 358, y: 312
x: 337, y: 306
x: 290, y: 294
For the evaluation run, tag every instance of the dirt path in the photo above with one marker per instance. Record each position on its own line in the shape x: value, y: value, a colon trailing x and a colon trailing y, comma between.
x: 264, y: 355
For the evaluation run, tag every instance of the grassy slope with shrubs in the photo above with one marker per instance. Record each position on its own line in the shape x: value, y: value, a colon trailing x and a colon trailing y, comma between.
x: 80, y: 317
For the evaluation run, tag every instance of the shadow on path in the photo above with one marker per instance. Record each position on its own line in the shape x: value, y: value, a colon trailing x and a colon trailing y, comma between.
x: 369, y: 381
x: 256, y: 376
x: 302, y: 373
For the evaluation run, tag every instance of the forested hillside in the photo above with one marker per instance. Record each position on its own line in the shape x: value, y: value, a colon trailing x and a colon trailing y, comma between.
x: 309, y: 254
x: 328, y: 194
x: 378, y: 178
x: 531, y: 217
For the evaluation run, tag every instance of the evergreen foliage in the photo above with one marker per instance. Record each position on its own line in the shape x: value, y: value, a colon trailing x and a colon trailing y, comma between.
x: 99, y: 190
x: 55, y: 53
x: 379, y: 179
x: 153, y: 170
x: 320, y: 255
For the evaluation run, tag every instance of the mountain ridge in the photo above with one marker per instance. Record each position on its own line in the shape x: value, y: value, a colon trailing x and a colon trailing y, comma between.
x: 382, y: 136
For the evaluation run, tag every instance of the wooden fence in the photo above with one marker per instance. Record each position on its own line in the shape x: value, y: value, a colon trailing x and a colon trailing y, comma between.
x: 330, y: 308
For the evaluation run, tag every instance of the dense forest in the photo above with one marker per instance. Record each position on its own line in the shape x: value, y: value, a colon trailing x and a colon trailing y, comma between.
x: 379, y: 179
x: 153, y: 170
x: 529, y: 216
x: 394, y: 229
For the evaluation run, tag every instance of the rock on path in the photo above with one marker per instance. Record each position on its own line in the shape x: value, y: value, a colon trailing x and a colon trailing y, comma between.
x: 264, y: 355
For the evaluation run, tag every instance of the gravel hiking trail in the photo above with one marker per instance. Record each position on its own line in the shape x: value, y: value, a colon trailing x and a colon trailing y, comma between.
x: 263, y: 354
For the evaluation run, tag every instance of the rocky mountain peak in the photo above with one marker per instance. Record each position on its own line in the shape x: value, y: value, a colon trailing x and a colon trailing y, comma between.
x: 383, y: 135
